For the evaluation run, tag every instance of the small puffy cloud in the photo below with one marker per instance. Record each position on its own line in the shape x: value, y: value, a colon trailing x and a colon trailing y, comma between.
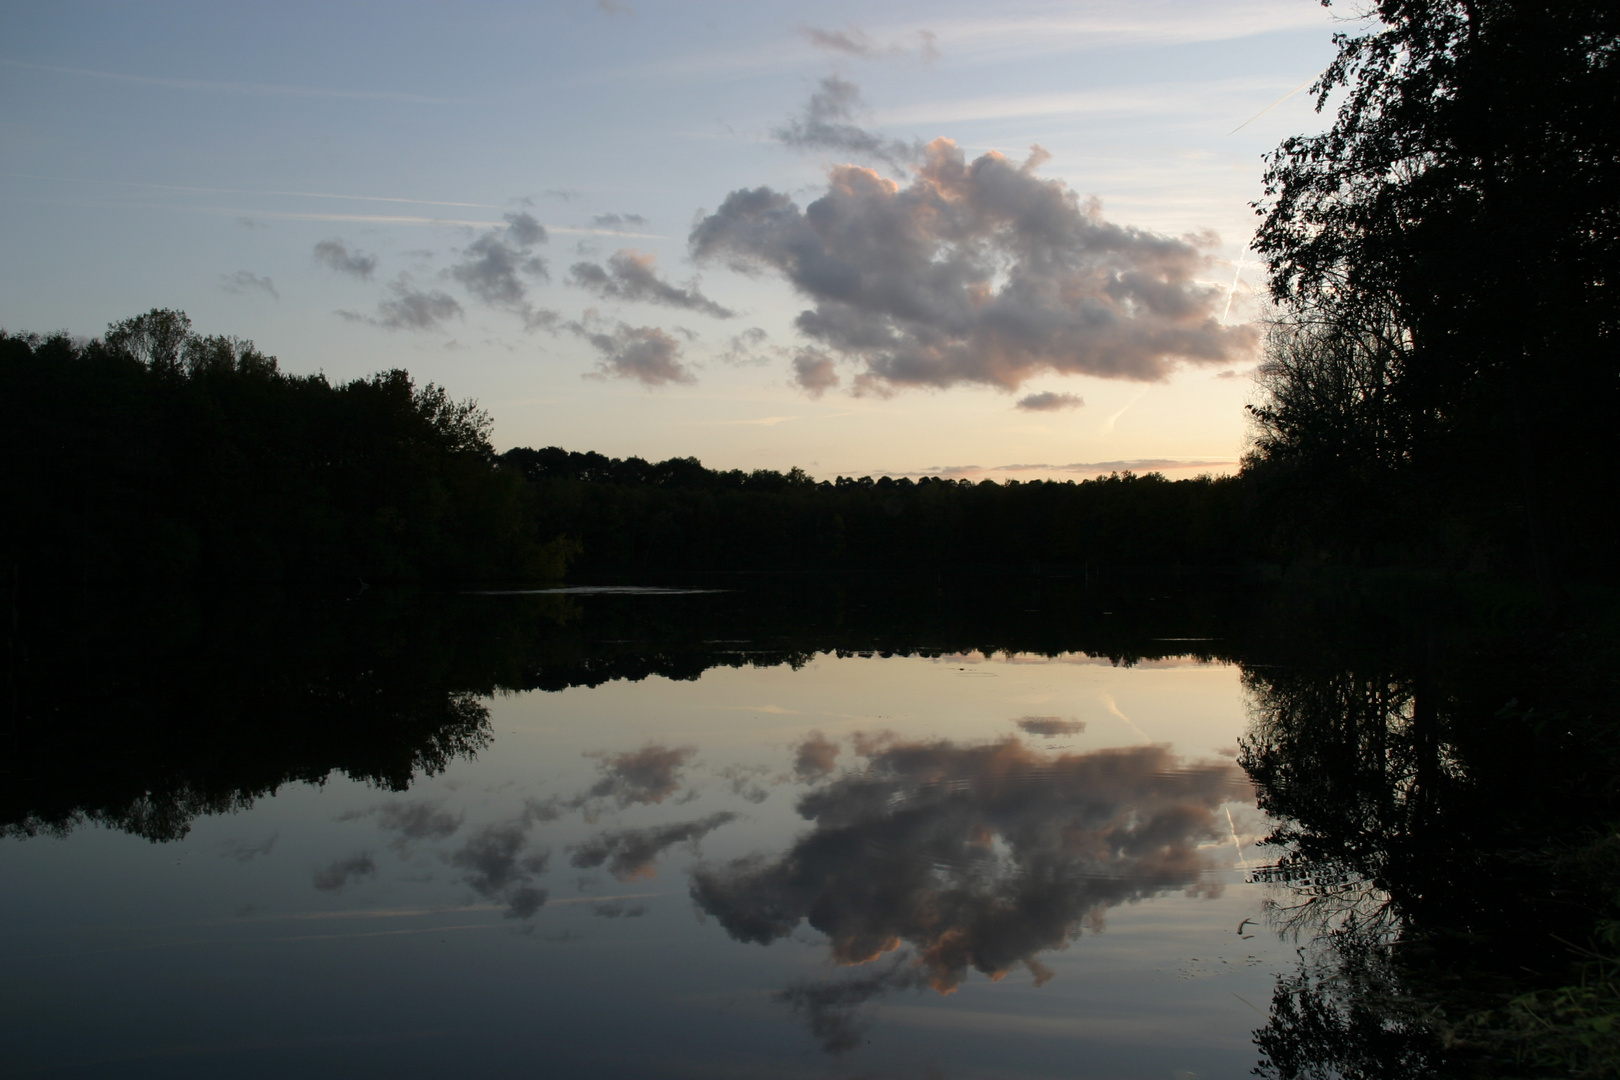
x: 976, y: 272
x: 828, y: 123
x: 416, y: 820
x: 638, y: 777
x: 632, y: 853
x: 335, y: 255
x: 1050, y: 401
x: 832, y: 1007
x: 245, y: 281
x: 1050, y: 725
x: 409, y: 308
x: 854, y: 42
x: 344, y: 872
x: 814, y: 371
x: 242, y: 851
x: 744, y: 781
x: 618, y: 221
x: 645, y: 353
x: 497, y: 264
x: 749, y: 347
x: 814, y: 758
x: 616, y: 909
x: 633, y: 275
x: 493, y: 862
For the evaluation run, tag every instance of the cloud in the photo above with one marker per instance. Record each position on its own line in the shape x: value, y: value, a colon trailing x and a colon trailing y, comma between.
x: 744, y: 781
x: 493, y: 863
x: 814, y: 371
x: 748, y: 346
x: 828, y: 124
x: 614, y: 909
x: 631, y: 853
x: 242, y: 851
x: 244, y: 281
x: 638, y: 777
x: 814, y: 757
x: 345, y: 872
x: 644, y: 353
x: 832, y: 1007
x: 410, y: 308
x: 1051, y: 725
x: 417, y: 820
x: 618, y: 221
x: 632, y: 275
x: 336, y: 255
x: 497, y: 264
x: 1050, y: 401
x: 976, y: 272
x: 976, y: 856
x: 855, y: 42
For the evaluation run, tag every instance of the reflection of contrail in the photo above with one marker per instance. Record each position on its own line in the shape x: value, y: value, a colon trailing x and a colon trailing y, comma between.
x: 1108, y: 700
x: 1231, y: 825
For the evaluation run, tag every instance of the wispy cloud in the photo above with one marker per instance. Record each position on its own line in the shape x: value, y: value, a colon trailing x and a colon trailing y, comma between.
x: 245, y: 281
x: 249, y: 89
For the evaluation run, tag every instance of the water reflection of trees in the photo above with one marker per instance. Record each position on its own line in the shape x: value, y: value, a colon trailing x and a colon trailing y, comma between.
x: 1435, y: 797
x: 141, y: 711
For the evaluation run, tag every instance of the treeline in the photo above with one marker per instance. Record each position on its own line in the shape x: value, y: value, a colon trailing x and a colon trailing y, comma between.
x: 158, y: 453
x: 155, y: 453
x: 637, y: 516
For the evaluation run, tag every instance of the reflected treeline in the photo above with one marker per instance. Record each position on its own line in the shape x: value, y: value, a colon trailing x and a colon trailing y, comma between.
x: 1446, y: 806
x: 141, y: 711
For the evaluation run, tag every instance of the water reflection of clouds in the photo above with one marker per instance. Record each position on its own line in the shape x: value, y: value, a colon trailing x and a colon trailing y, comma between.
x: 958, y: 857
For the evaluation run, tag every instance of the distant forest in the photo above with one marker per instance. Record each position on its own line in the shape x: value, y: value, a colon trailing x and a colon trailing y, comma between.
x: 156, y: 452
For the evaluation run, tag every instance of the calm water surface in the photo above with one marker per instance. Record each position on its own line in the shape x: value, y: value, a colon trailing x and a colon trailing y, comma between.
x: 678, y: 835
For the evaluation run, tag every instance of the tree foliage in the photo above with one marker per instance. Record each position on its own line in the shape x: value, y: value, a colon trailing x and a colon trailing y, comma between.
x: 1460, y: 213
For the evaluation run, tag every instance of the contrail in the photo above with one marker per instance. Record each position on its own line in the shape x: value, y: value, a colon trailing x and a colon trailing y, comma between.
x: 1233, y: 290
x: 1273, y: 105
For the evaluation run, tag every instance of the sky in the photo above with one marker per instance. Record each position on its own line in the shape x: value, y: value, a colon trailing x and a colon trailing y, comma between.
x: 883, y: 238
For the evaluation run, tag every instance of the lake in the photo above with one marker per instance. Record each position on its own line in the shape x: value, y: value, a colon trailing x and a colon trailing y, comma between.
x: 733, y: 827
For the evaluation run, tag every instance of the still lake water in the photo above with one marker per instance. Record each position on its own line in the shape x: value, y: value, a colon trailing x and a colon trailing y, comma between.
x: 683, y: 834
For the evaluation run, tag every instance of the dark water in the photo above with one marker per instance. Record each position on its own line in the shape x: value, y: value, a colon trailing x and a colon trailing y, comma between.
x: 755, y: 828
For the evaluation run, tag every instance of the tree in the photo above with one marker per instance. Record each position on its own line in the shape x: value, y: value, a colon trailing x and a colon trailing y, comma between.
x: 1469, y: 190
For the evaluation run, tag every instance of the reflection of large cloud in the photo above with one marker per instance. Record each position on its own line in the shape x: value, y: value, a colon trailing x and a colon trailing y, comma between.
x: 631, y: 853
x: 977, y: 272
x: 976, y: 856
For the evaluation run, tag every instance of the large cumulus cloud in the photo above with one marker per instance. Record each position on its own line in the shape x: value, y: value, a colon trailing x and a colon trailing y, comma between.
x: 975, y: 272
x: 976, y: 857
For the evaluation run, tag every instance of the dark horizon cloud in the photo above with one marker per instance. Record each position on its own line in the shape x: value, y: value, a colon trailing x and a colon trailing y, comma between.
x: 1131, y: 465
x: 828, y: 123
x: 633, y: 275
x: 338, y: 875
x: 630, y: 854
x: 1050, y: 401
x: 335, y: 255
x: 1050, y: 725
x: 647, y: 354
x: 975, y: 857
x: 978, y: 273
x: 245, y: 281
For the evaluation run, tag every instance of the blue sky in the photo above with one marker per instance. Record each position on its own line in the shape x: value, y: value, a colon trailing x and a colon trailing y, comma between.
x: 358, y: 187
